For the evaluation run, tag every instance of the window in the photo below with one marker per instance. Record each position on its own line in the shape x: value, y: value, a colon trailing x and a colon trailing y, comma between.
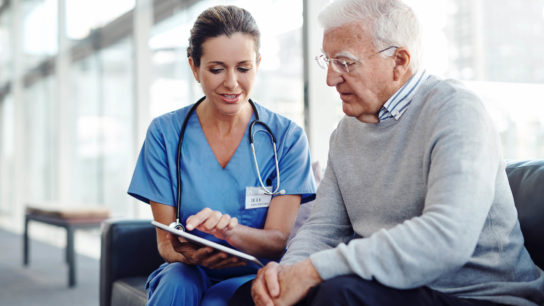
x: 117, y: 119
x: 102, y: 127
x: 39, y: 29
x: 7, y: 155
x: 40, y: 140
x: 6, y: 63
x: 474, y: 41
x: 85, y: 130
x: 83, y: 16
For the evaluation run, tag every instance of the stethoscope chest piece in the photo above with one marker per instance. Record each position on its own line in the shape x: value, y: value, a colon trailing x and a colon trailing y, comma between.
x: 177, y: 225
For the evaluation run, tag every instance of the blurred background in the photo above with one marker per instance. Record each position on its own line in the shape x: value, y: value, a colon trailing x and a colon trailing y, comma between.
x: 81, y: 80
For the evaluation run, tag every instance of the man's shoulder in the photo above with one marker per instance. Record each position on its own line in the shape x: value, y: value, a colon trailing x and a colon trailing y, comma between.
x: 448, y: 95
x: 435, y: 86
x: 450, y: 104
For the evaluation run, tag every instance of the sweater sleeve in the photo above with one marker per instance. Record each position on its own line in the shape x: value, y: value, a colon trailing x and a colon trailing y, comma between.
x: 327, y: 225
x: 464, y: 156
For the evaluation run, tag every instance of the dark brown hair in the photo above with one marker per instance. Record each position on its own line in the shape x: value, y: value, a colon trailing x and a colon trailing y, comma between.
x: 221, y: 20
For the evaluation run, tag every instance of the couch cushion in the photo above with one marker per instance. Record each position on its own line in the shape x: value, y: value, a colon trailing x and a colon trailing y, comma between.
x: 129, y: 291
x: 527, y: 183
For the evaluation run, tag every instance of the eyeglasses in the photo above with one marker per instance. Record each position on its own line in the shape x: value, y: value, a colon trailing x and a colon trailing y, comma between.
x: 342, y: 65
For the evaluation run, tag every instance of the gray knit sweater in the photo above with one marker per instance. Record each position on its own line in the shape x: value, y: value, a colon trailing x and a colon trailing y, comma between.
x: 422, y: 201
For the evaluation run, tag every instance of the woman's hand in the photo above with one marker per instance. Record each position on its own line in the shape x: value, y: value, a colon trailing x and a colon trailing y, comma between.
x: 216, y: 224
x: 212, y: 222
x: 196, y: 254
x: 177, y: 249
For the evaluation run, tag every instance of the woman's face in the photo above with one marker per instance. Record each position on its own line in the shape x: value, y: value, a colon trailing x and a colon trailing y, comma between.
x: 227, y: 71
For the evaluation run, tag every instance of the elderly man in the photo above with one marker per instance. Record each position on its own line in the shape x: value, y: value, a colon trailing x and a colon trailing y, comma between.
x: 415, y: 206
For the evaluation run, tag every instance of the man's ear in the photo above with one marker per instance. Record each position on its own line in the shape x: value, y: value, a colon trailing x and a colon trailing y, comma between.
x: 402, y: 63
x: 194, y: 68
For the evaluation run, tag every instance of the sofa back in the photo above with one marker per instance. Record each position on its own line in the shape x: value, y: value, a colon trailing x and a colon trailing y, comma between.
x: 527, y: 183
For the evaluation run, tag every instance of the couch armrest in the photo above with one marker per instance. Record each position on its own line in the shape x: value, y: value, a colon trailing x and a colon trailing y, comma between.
x: 128, y: 249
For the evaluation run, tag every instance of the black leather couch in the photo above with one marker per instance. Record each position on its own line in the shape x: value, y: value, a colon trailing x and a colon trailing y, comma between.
x: 129, y: 253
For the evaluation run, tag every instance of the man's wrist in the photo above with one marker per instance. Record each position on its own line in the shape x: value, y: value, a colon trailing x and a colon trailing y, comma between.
x: 311, y: 272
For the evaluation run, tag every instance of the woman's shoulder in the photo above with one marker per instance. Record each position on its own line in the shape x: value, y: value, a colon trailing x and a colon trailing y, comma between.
x: 170, y: 121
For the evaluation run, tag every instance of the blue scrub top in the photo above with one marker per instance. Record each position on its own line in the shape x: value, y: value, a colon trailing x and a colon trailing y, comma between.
x: 205, y: 183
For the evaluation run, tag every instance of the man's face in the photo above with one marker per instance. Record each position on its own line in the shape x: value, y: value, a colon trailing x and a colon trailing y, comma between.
x: 369, y: 82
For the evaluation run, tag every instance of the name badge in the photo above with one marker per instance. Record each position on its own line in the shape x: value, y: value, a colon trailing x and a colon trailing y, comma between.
x: 256, y: 198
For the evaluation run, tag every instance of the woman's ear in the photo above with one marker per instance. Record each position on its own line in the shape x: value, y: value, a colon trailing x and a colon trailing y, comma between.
x: 402, y: 63
x: 258, y: 61
x: 194, y: 68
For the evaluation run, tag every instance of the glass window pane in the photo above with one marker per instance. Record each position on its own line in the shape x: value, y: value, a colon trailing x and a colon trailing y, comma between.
x: 7, y: 155
x: 84, y: 128
x: 39, y: 27
x: 6, y: 60
x: 102, y: 127
x: 171, y: 84
x: 117, y: 141
x: 499, y: 60
x: 82, y: 16
x: 40, y: 140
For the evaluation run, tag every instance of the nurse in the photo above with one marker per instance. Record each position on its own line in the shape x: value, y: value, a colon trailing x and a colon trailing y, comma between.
x: 221, y: 196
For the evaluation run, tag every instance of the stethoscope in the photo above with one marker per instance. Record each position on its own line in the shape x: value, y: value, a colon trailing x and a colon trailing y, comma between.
x: 177, y: 224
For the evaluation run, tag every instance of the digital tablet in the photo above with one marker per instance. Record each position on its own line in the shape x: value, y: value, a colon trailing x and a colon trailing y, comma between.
x: 209, y: 243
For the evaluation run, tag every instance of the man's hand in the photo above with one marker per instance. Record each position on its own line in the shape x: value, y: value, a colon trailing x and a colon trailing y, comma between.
x: 284, y: 284
x: 266, y: 285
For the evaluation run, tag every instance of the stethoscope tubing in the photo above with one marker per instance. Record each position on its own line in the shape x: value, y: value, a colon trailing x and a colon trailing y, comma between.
x: 178, y: 224
x: 263, y: 186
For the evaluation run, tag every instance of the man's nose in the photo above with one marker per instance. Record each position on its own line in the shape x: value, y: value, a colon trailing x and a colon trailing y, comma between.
x: 333, y: 77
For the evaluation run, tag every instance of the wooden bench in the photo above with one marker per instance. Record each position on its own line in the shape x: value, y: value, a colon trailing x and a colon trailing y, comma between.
x: 72, y: 219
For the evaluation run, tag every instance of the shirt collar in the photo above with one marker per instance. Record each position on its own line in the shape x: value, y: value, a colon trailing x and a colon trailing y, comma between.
x: 397, y: 104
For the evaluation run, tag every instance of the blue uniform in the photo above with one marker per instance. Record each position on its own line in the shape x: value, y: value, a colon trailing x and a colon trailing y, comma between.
x: 206, y: 184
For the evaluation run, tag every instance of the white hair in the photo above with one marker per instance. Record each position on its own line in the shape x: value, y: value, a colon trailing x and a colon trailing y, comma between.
x: 391, y: 22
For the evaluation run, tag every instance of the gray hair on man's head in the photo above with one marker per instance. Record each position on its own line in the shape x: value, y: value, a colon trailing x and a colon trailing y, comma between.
x: 391, y: 23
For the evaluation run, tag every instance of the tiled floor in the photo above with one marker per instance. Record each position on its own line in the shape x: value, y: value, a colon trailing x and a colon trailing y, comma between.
x: 45, y: 280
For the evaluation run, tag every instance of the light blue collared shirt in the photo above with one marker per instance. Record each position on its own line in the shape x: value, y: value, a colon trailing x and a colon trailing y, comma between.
x: 397, y: 104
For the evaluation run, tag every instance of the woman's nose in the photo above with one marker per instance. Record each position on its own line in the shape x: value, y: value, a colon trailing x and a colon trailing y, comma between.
x: 231, y: 80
